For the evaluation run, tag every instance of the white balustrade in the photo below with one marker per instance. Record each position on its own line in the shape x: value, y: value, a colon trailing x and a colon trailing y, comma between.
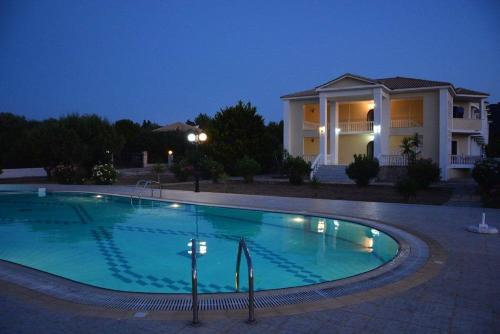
x: 365, y: 126
x: 464, y: 159
x: 393, y: 160
x: 405, y: 123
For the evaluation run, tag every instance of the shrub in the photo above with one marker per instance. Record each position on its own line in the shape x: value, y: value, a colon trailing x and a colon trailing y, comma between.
x: 182, y: 170
x: 158, y: 169
x: 296, y: 169
x: 408, y: 187
x: 104, y: 174
x: 491, y: 197
x: 69, y: 174
x: 247, y: 167
x: 211, y: 169
x: 424, y: 172
x: 362, y: 169
x: 487, y: 174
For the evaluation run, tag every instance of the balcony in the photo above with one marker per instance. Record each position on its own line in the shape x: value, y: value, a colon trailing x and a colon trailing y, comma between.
x: 463, y: 161
x: 467, y: 124
x: 405, y: 123
x: 356, y: 127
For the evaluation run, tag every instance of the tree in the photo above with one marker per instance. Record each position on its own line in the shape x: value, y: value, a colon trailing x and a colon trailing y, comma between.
x: 16, y: 148
x: 98, y: 138
x: 56, y: 145
x: 159, y: 169
x: 237, y: 131
x: 410, y: 146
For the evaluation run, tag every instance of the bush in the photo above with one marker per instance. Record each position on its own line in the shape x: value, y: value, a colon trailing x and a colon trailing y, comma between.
x: 247, y: 167
x: 363, y: 169
x: 69, y: 174
x: 487, y: 174
x: 296, y: 169
x: 491, y: 197
x: 423, y: 172
x: 104, y: 174
x: 211, y: 169
x: 182, y: 170
x: 408, y: 187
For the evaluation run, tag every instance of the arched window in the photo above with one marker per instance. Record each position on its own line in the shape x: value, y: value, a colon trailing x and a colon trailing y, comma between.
x: 369, y: 116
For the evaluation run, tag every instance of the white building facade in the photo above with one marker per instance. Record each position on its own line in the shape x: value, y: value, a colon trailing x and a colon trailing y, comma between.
x: 352, y: 114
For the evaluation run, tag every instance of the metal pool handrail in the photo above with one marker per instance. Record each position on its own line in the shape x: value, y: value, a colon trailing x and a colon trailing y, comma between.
x: 251, y: 307
x: 194, y: 282
x: 142, y: 185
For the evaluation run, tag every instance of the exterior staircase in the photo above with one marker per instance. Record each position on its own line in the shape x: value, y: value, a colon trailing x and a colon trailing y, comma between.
x: 332, y: 174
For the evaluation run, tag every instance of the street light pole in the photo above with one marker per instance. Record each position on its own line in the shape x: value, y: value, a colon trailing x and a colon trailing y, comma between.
x: 197, y: 139
x: 196, y: 172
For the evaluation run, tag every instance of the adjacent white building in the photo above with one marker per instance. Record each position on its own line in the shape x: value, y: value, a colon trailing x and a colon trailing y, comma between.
x: 352, y: 114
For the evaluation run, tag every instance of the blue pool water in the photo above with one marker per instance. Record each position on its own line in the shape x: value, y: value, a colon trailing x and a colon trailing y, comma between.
x: 106, y: 241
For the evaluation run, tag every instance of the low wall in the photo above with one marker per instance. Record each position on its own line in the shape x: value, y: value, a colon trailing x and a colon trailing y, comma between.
x: 22, y: 172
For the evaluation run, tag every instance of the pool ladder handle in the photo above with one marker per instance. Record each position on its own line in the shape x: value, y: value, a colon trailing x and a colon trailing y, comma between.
x: 194, y: 280
x: 242, y: 245
x: 194, y: 283
x: 144, y: 184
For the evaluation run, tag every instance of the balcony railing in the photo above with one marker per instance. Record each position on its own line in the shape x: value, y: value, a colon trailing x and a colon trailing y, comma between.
x: 365, y: 126
x: 393, y: 160
x: 405, y: 123
x: 464, y: 159
x: 469, y: 124
x: 310, y: 126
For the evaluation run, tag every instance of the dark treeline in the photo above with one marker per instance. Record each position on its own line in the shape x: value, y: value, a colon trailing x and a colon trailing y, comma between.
x: 86, y: 140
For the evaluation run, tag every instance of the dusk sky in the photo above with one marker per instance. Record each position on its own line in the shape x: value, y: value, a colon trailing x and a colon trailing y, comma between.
x: 170, y: 60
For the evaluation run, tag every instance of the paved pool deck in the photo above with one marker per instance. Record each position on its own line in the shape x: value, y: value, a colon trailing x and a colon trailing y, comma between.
x: 463, y: 297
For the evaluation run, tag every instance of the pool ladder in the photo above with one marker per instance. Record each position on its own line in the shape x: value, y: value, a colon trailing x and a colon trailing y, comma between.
x: 242, y: 248
x: 139, y: 188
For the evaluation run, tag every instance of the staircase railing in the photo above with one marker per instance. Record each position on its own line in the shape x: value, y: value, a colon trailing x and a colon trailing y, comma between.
x: 314, y: 166
x: 251, y: 302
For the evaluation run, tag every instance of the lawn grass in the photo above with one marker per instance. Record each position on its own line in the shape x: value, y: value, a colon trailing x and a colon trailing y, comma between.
x: 350, y: 192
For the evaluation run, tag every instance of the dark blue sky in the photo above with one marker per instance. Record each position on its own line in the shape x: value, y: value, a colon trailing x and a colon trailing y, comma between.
x: 170, y: 60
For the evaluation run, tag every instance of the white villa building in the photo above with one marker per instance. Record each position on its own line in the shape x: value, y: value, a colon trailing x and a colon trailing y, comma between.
x: 351, y: 114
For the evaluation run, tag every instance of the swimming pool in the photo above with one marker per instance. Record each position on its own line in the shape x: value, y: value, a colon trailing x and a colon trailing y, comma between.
x: 109, y: 242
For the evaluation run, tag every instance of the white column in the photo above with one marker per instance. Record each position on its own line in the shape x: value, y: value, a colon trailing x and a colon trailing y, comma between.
x: 323, y: 128
x: 385, y: 124
x: 484, y: 117
x: 444, y: 134
x: 286, y: 126
x: 334, y: 134
x: 377, y: 122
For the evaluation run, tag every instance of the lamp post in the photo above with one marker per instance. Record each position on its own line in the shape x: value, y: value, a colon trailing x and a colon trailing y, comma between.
x: 170, y: 157
x: 197, y: 138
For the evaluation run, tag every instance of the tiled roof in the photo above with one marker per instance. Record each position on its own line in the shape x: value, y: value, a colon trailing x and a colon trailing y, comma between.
x: 309, y: 92
x: 405, y: 83
x: 394, y: 83
x: 465, y: 91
